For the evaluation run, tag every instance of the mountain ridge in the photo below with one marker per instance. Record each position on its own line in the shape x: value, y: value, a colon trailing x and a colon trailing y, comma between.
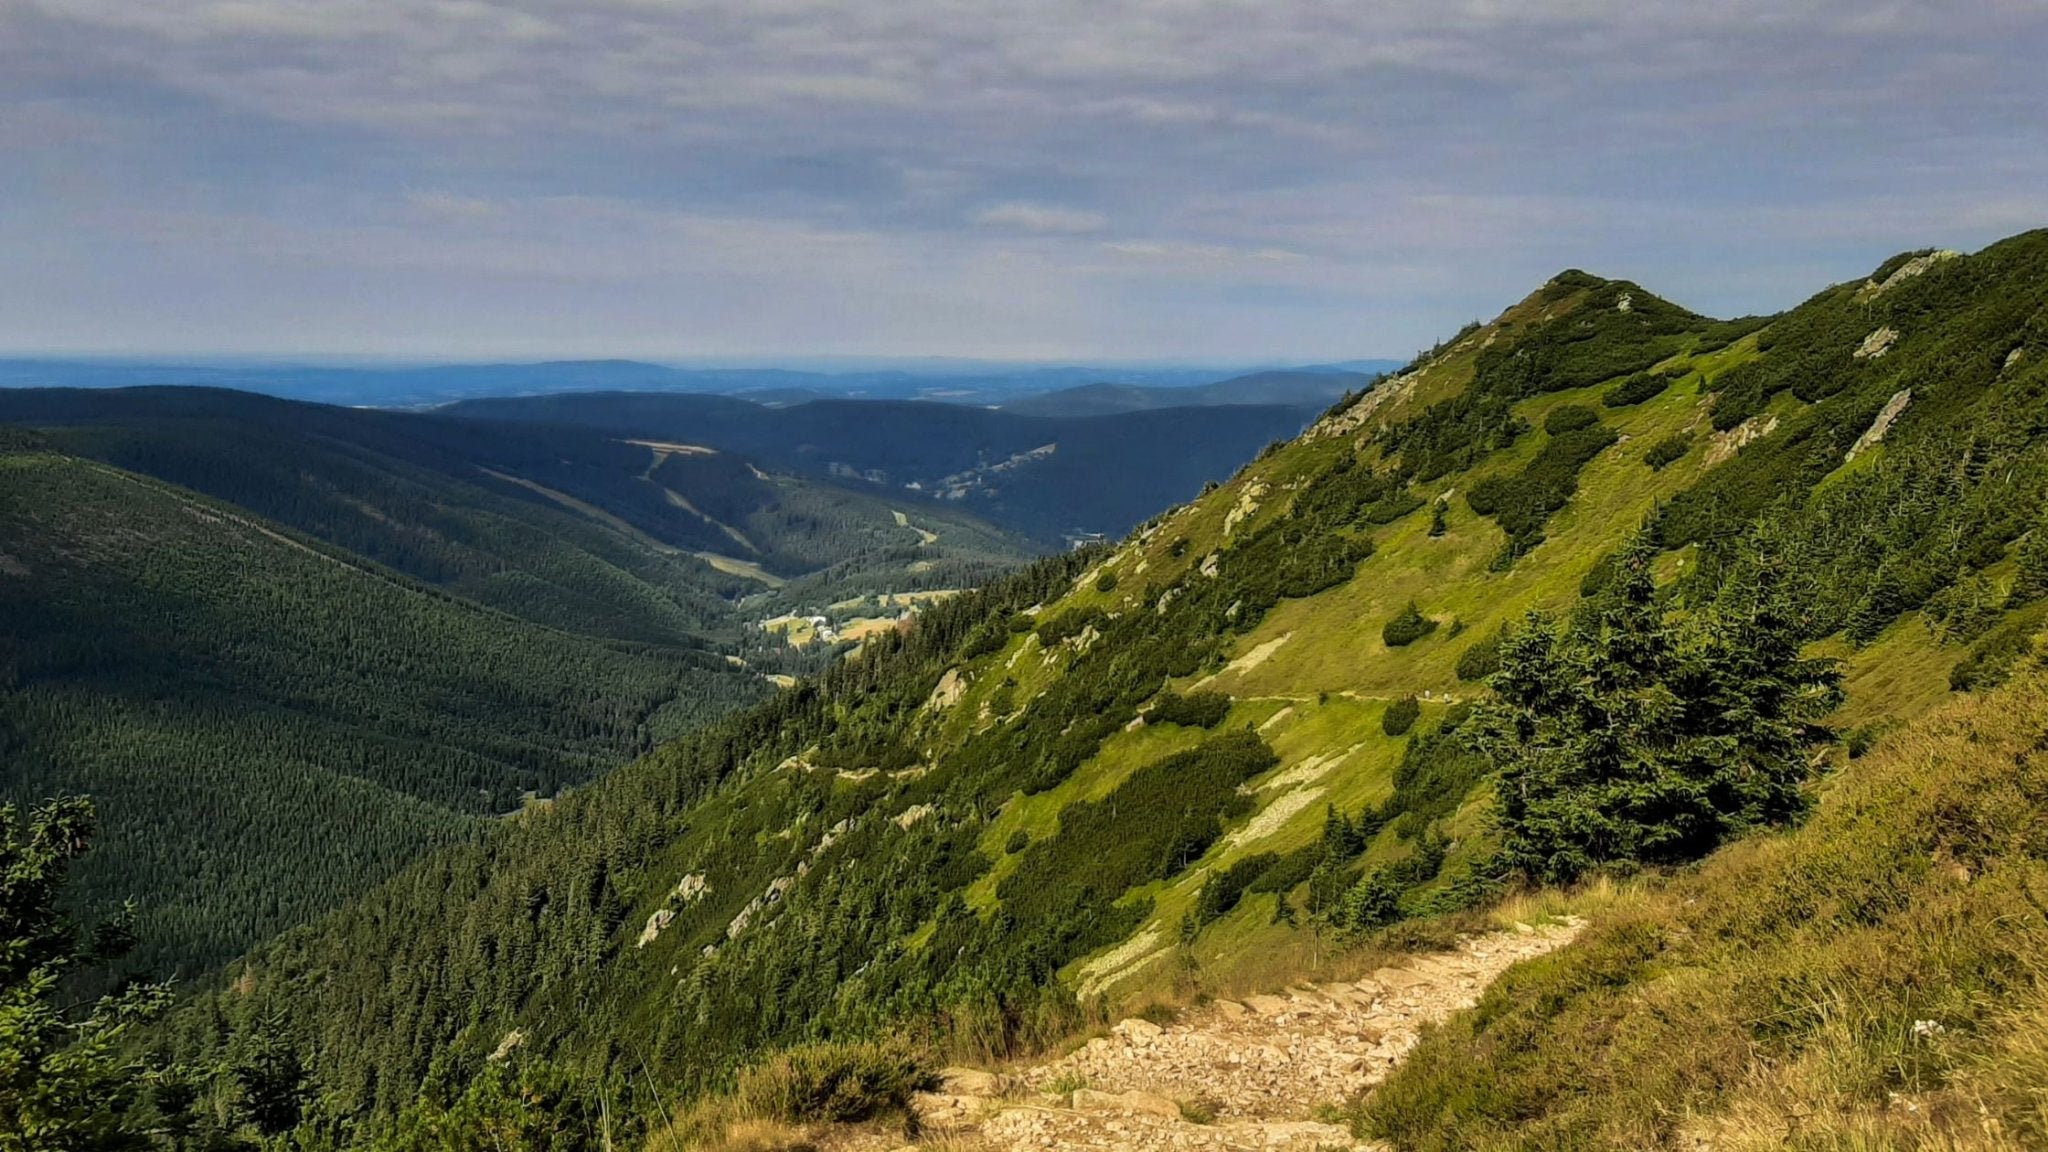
x: 1240, y: 733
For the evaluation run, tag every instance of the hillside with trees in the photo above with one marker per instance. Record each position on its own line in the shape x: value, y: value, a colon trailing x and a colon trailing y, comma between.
x: 1583, y: 597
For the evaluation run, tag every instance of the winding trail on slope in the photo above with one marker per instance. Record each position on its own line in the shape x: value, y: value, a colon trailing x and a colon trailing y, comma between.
x: 1239, y: 1075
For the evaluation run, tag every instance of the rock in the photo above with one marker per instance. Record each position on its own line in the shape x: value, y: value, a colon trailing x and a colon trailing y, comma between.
x: 1400, y: 979
x: 1882, y: 424
x: 1138, y: 1031
x: 1266, y: 1005
x: 1877, y: 344
x: 1230, y: 1009
x: 1143, y: 1103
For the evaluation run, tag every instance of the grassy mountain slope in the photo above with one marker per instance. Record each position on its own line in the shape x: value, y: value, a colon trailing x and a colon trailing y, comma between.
x: 562, y: 526
x: 1040, y: 475
x: 271, y: 724
x: 1191, y: 756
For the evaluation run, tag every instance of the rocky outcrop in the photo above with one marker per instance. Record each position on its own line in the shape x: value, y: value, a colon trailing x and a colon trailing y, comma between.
x: 1882, y: 424
x: 1876, y: 344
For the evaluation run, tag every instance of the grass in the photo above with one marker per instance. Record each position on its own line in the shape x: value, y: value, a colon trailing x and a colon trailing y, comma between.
x: 1876, y: 979
x: 779, y: 1104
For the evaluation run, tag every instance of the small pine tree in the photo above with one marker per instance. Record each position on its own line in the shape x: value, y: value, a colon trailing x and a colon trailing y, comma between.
x: 1400, y: 716
x: 1341, y: 839
x: 1437, y: 524
x: 1407, y: 627
x: 1373, y: 902
x: 2030, y: 583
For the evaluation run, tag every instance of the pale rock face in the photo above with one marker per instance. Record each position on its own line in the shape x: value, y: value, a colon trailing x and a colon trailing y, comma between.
x: 1876, y: 344
x: 1882, y: 424
x: 950, y: 688
x: 1724, y: 445
x: 1917, y: 266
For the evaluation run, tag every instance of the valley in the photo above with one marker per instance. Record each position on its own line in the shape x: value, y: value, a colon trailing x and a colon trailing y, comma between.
x: 1045, y: 475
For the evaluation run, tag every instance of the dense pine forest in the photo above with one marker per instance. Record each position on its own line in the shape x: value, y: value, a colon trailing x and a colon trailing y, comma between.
x: 1596, y: 590
x: 270, y: 725
x: 562, y: 526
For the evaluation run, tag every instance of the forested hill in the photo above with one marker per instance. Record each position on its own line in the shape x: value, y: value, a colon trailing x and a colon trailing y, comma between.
x: 1041, y: 475
x: 564, y: 526
x: 1308, y: 709
x: 270, y: 724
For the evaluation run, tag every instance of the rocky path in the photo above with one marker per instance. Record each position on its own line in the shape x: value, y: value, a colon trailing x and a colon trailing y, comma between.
x: 1242, y: 1075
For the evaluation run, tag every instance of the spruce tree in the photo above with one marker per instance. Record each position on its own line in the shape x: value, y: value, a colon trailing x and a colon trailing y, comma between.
x: 1636, y: 738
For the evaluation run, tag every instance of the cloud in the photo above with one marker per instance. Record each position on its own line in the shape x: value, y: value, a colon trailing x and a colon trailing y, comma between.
x: 1041, y: 218
x: 1152, y: 177
x: 1180, y: 252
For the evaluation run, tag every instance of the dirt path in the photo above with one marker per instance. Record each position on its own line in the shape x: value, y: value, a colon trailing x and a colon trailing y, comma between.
x: 1230, y: 1075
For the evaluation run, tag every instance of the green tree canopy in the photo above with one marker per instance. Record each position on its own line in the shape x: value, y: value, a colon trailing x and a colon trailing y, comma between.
x: 1637, y: 737
x: 64, y: 1084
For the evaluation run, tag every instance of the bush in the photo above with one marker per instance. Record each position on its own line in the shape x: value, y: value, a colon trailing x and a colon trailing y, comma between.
x: 1569, y: 418
x: 1018, y: 841
x: 1068, y: 625
x: 1391, y: 507
x: 1106, y: 583
x: 1668, y: 451
x: 1373, y: 902
x: 1407, y: 627
x: 1521, y: 503
x: 835, y: 1083
x: 1193, y: 710
x: 1635, y: 390
x: 1400, y: 716
x: 1224, y: 889
x: 1480, y: 660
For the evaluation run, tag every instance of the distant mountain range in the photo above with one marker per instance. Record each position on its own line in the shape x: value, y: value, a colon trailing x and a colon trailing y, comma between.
x: 968, y: 382
x: 1302, y: 388
x: 1048, y: 477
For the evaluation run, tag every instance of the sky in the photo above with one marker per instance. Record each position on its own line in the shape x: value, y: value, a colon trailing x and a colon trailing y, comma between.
x: 1174, y: 180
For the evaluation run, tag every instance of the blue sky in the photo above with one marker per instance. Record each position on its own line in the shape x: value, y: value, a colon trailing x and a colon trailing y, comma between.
x: 1062, y: 180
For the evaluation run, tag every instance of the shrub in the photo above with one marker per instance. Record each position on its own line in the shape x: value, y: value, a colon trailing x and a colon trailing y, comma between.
x: 835, y: 1083
x: 1106, y: 583
x: 1437, y: 524
x: 1373, y: 902
x: 1068, y: 625
x: 1569, y: 418
x: 1668, y: 450
x: 1635, y: 390
x: 1776, y: 989
x: 1481, y: 659
x: 1407, y: 627
x: 1521, y: 503
x: 1194, y: 710
x: 1223, y: 890
x: 1391, y: 507
x: 1400, y: 716
x: 1018, y: 841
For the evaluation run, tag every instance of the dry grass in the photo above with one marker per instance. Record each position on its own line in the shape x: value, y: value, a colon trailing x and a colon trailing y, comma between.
x: 786, y: 1102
